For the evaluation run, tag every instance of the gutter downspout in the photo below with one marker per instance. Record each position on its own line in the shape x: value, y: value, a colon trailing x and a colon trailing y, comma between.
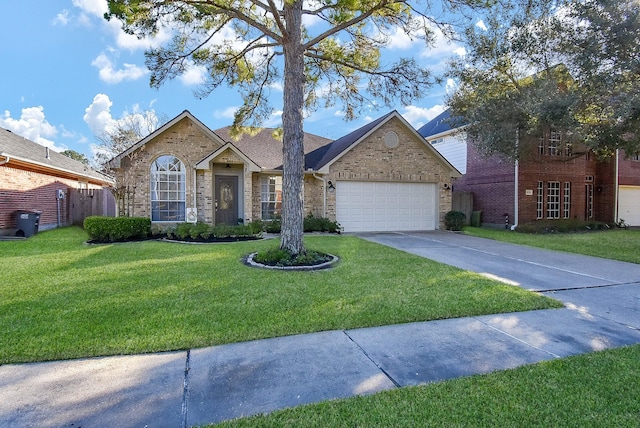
x: 324, y: 194
x: 516, y: 174
x: 616, y: 194
x: 194, y: 187
x: 6, y: 160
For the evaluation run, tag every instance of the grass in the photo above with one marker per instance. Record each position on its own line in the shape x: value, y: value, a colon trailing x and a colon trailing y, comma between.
x: 61, y: 298
x: 593, y: 390
x: 623, y: 245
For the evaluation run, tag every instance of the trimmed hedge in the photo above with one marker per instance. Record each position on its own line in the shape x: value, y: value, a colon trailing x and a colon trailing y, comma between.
x: 116, y: 229
x: 454, y: 220
x: 202, y: 232
x: 563, y: 226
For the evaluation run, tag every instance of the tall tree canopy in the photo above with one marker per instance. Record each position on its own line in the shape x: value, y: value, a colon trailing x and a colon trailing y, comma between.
x: 569, y: 65
x: 255, y: 44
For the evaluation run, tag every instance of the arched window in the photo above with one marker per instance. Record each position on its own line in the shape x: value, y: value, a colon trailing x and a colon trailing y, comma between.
x: 168, y: 194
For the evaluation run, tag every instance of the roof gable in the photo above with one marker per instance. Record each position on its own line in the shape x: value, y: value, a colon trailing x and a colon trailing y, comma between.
x: 19, y: 149
x: 186, y: 114
x: 326, y: 156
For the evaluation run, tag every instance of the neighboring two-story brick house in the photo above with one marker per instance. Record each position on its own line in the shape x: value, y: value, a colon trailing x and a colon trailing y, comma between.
x: 554, y: 180
x: 383, y: 176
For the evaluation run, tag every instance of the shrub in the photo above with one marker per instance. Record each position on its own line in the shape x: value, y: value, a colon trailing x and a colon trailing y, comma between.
x: 320, y: 224
x: 203, y: 232
x: 454, y: 220
x: 283, y: 258
x: 115, y: 229
x: 562, y: 226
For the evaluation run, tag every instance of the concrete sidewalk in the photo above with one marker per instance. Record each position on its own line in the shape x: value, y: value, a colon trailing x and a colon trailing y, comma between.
x: 208, y: 385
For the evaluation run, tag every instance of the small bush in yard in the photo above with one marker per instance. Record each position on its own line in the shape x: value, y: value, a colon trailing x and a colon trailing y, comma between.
x: 454, y: 220
x: 117, y: 229
x: 562, y: 226
x: 320, y: 224
x: 202, y: 232
x: 282, y: 258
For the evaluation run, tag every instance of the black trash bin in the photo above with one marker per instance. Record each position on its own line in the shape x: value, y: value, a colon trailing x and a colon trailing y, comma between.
x: 27, y: 222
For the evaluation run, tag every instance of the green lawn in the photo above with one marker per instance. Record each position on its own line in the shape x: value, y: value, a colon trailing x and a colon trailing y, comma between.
x: 623, y: 245
x: 61, y: 298
x: 594, y: 390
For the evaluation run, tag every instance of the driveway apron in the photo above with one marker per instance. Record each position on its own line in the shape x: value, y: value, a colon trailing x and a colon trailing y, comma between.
x: 600, y: 287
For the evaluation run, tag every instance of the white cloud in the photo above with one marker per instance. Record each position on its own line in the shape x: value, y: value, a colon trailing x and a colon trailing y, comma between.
x: 98, y: 115
x: 442, y: 47
x: 100, y: 120
x: 401, y: 40
x: 62, y: 18
x: 109, y: 74
x: 227, y: 113
x: 481, y: 25
x: 418, y: 116
x: 93, y: 7
x: 451, y: 86
x: 32, y: 125
x: 195, y: 75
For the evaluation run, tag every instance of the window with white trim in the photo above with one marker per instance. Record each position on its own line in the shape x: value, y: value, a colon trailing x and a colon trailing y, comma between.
x: 554, y: 143
x: 553, y: 199
x: 168, y: 189
x: 540, y: 200
x: 566, y: 200
x: 271, y: 197
x: 588, y: 211
x: 541, y: 145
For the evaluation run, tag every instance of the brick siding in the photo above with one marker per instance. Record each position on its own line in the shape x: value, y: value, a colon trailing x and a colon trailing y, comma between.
x: 30, y: 190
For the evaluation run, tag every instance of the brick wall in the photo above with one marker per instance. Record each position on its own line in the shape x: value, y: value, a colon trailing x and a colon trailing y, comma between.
x: 29, y: 190
x: 628, y: 171
x: 491, y: 180
x: 410, y: 161
x: 186, y: 141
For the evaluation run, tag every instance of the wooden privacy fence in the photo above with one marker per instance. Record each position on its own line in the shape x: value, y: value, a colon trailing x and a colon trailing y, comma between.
x: 463, y: 201
x: 83, y: 203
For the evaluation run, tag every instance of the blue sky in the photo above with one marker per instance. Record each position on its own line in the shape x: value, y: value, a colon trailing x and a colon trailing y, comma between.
x: 67, y: 75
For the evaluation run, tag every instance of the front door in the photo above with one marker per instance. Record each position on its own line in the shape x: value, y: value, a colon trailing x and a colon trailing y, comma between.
x: 226, y: 200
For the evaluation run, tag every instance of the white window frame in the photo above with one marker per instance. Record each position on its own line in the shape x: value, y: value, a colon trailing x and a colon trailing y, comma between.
x: 588, y: 201
x: 553, y: 199
x: 555, y: 141
x: 168, y: 179
x: 566, y: 200
x: 270, y: 197
x: 540, y: 201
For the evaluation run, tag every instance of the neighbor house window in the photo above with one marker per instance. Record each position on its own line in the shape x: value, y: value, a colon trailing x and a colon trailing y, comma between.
x: 271, y: 197
x: 541, y: 145
x: 168, y: 189
x: 566, y: 205
x: 540, y: 200
x: 588, y: 209
x: 553, y: 199
x: 554, y: 144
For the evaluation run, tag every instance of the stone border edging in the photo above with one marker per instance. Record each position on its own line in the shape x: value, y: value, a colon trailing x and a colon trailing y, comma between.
x: 326, y: 265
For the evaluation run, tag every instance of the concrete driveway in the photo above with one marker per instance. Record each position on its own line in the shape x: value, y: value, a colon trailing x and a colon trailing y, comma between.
x: 601, y: 287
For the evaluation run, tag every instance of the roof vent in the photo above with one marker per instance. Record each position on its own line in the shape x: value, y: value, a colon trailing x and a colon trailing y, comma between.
x: 46, y: 152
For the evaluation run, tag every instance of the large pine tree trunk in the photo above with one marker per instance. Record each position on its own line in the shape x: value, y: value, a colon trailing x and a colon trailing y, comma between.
x: 293, y: 133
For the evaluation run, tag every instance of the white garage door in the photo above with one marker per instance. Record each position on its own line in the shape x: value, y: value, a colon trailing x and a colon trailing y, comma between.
x: 376, y: 207
x: 629, y: 205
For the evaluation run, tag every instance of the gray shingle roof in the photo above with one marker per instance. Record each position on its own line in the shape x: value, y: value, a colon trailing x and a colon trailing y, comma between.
x: 21, y: 149
x: 264, y: 150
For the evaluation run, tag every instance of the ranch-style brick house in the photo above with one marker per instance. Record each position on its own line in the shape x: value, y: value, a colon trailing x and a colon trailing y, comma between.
x: 555, y: 181
x: 381, y: 177
x: 36, y: 178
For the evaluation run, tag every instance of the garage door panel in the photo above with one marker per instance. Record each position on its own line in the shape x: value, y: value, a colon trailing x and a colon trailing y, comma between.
x: 380, y: 206
x: 629, y: 205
